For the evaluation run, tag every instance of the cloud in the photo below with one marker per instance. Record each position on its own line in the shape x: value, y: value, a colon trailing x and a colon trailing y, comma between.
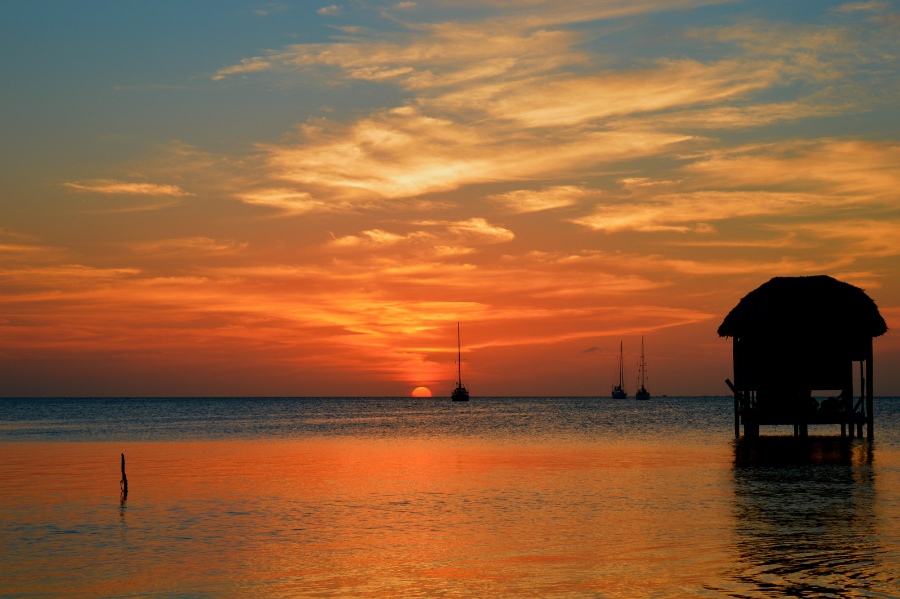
x: 860, y: 238
x: 187, y: 245
x: 480, y: 231
x: 573, y: 100
x: 506, y: 99
x: 377, y: 238
x: 528, y: 200
x: 742, y: 117
x: 112, y: 186
x: 590, y: 350
x: 62, y: 275
x: 448, y: 238
x: 31, y: 253
x: 871, y: 5
x: 517, y: 37
x: 272, y: 7
x: 287, y: 200
x: 434, y: 55
x: 403, y: 153
x: 855, y: 170
x: 247, y: 65
x: 684, y: 212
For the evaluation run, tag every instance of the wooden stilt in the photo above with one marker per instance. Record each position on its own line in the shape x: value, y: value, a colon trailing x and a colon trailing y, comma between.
x: 870, y: 415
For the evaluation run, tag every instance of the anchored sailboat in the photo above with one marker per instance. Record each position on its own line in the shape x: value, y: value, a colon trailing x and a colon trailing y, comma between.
x: 642, y: 393
x: 460, y: 393
x: 619, y: 391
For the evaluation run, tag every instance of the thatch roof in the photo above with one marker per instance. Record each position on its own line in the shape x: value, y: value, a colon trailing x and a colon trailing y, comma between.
x: 820, y: 306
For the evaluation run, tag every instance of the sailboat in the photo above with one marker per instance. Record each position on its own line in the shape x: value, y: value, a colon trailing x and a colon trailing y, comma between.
x: 642, y: 393
x: 460, y: 393
x: 619, y: 391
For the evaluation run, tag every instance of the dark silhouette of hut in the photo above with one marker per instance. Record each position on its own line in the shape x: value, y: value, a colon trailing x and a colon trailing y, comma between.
x: 797, y: 335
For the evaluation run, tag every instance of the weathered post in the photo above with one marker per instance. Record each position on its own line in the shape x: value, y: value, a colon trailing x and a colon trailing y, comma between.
x: 870, y: 416
x: 847, y: 394
x: 123, y: 484
x: 737, y: 407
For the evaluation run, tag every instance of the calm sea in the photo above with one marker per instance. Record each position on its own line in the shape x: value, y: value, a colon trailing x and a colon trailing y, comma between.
x: 399, y: 497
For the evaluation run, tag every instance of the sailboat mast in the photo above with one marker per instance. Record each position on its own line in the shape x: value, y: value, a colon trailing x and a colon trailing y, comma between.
x: 458, y: 358
x: 642, y: 361
x: 621, y: 368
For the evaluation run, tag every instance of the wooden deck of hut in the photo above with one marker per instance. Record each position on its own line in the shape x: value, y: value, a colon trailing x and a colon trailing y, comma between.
x: 795, y: 338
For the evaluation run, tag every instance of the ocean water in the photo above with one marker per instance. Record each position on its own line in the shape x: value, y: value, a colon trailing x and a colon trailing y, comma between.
x: 401, y: 497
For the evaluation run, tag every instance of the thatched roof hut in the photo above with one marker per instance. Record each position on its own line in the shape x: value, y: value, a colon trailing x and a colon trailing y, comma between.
x: 794, y: 336
x: 805, y: 306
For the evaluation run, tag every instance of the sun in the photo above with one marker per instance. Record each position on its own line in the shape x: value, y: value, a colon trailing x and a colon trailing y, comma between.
x: 421, y: 392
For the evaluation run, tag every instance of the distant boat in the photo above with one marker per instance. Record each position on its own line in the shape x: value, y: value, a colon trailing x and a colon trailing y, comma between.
x: 642, y: 393
x: 619, y: 391
x: 460, y: 393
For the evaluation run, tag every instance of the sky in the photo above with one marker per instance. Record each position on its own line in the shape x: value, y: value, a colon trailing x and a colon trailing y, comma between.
x: 305, y: 198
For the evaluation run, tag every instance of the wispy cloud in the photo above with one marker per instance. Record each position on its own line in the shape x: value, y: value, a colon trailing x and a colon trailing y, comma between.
x: 112, y: 186
x: 247, y: 65
x: 685, y: 212
x: 443, y: 235
x: 871, y: 5
x: 264, y: 10
x: 333, y: 9
x: 403, y: 153
x: 530, y: 200
x: 286, y: 200
x: 187, y: 245
x: 861, y: 170
x: 861, y: 238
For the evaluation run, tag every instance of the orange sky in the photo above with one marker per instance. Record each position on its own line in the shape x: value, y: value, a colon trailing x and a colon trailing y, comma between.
x: 304, y: 199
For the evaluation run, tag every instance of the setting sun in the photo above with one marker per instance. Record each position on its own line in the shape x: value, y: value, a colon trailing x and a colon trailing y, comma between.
x: 421, y: 392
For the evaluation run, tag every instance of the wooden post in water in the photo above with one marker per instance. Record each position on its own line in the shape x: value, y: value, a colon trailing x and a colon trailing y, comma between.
x: 124, y: 482
x: 847, y: 394
x: 870, y: 416
x: 737, y: 411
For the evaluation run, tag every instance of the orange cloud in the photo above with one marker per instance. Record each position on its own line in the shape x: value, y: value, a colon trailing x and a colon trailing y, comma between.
x: 864, y: 170
x: 869, y: 238
x: 685, y: 212
x: 203, y: 245
x: 529, y: 200
x: 122, y: 187
x: 475, y: 231
x: 286, y: 200
x: 568, y: 101
x: 403, y: 153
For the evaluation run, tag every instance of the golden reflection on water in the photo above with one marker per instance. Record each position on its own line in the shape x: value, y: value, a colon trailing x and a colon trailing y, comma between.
x: 386, y: 518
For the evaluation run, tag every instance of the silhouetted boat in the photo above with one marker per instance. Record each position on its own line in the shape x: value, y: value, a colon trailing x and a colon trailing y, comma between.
x: 460, y: 393
x: 619, y: 391
x: 642, y: 393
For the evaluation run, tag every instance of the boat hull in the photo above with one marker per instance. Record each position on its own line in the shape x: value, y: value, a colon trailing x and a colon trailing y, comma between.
x: 619, y: 393
x: 642, y: 396
x: 460, y: 394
